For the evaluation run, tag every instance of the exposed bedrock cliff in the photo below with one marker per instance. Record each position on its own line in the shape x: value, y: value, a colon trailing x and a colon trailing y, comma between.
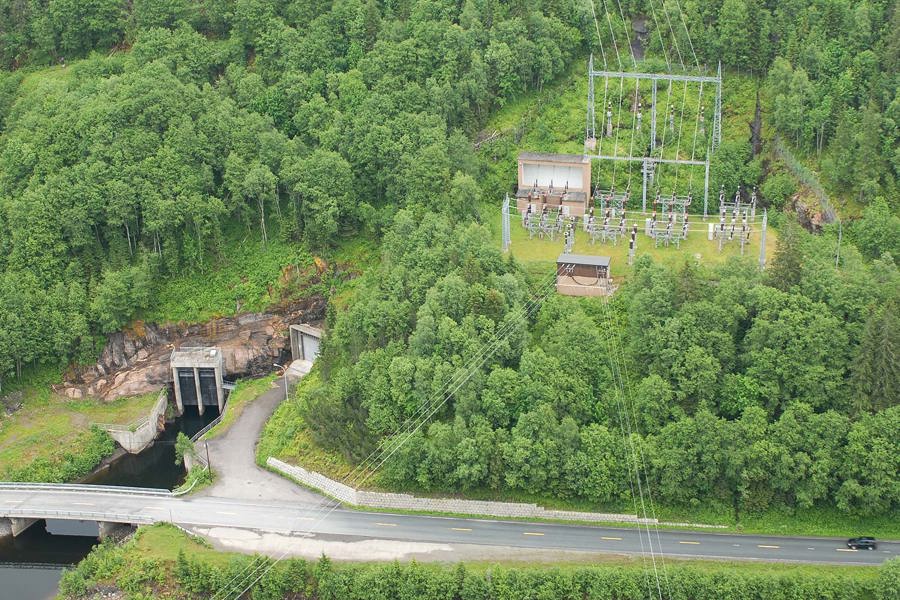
x: 136, y: 361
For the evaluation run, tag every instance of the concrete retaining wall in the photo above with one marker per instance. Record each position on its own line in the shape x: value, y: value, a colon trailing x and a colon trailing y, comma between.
x: 137, y: 436
x: 353, y: 497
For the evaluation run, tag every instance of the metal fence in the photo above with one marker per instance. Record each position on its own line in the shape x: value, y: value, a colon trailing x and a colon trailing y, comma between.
x: 807, y: 178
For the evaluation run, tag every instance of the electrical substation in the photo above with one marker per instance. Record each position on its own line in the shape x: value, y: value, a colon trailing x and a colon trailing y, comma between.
x: 643, y: 178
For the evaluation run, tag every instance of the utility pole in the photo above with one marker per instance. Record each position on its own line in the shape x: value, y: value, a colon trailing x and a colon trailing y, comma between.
x: 505, y: 224
x: 762, y: 241
x: 837, y: 255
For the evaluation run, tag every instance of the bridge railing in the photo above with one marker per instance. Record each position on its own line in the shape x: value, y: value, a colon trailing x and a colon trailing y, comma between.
x: 81, y: 488
x: 79, y: 515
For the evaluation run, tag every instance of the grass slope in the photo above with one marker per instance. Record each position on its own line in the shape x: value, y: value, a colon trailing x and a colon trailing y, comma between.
x: 49, y: 432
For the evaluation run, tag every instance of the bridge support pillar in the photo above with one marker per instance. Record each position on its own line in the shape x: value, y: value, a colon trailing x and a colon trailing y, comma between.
x: 15, y: 525
x: 117, y: 530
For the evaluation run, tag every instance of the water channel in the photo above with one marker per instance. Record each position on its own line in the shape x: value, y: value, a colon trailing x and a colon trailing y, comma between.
x: 31, y: 564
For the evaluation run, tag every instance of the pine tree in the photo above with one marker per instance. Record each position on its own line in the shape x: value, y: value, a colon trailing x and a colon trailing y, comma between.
x: 876, y: 371
x: 787, y: 266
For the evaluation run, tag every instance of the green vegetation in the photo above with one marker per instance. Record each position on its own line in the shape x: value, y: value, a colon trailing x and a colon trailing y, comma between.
x: 742, y: 382
x: 197, y: 479
x: 203, y: 158
x: 184, y: 447
x: 288, y: 437
x: 51, y: 439
x: 246, y: 391
x: 163, y: 562
x: 289, y: 126
x: 248, y: 277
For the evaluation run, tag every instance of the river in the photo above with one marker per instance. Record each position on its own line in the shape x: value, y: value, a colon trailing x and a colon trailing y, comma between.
x: 32, y: 564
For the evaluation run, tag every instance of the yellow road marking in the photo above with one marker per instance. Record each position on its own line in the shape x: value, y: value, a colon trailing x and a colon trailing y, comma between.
x: 765, y: 546
x: 694, y: 543
x: 532, y: 533
x: 611, y: 538
x: 460, y: 529
x: 386, y: 524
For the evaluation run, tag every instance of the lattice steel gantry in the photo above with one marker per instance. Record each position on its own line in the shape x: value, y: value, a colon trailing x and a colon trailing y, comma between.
x: 652, y: 155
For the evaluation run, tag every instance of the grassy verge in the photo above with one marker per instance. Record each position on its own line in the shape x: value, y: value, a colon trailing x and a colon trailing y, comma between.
x: 196, y: 480
x: 50, y: 438
x: 245, y: 392
x: 287, y: 438
x: 163, y: 562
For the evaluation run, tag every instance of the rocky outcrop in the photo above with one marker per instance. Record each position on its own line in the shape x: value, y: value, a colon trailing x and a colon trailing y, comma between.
x: 136, y: 361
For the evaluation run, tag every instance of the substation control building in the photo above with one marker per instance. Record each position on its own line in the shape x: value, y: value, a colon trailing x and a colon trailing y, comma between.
x: 581, y: 275
x: 198, y: 375
x: 559, y: 181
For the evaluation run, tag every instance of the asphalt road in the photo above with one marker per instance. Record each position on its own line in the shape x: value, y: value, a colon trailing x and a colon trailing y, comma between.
x: 328, y: 521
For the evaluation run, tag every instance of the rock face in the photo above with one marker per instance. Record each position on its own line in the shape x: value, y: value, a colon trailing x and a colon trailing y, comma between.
x: 136, y: 361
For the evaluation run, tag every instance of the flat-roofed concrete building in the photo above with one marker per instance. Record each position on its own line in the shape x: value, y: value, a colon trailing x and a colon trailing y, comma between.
x: 582, y: 275
x: 198, y: 374
x: 305, y: 341
x: 557, y: 180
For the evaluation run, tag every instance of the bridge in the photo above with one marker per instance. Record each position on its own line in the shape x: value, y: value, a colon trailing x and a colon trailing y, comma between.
x: 22, y: 504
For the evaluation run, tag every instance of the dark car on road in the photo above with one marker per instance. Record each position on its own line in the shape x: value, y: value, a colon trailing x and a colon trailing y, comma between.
x: 862, y: 543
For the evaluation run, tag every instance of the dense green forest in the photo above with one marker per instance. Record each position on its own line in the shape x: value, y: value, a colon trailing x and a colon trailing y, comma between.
x: 177, y: 126
x: 296, y: 120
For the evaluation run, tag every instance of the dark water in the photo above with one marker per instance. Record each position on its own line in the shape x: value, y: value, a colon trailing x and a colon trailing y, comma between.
x: 155, y: 467
x: 38, y: 582
x: 31, y: 564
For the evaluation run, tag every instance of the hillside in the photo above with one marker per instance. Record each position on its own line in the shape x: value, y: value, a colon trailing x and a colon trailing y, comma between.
x: 184, y: 160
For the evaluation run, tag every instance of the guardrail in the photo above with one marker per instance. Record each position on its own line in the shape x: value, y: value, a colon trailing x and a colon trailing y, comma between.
x: 178, y: 493
x: 34, y: 565
x: 82, y: 488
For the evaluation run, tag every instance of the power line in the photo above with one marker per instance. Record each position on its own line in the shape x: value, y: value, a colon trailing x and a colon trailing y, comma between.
x: 408, y: 429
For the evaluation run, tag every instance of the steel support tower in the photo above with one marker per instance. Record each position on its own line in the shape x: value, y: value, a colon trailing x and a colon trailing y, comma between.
x: 649, y: 160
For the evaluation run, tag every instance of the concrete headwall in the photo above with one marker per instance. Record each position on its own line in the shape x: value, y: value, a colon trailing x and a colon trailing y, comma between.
x: 353, y: 497
x: 137, y: 436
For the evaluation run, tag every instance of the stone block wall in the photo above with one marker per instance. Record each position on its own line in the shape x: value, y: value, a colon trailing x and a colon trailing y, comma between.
x: 348, y: 495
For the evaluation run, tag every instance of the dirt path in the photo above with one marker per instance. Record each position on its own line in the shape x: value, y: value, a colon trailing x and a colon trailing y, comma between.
x: 233, y: 453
